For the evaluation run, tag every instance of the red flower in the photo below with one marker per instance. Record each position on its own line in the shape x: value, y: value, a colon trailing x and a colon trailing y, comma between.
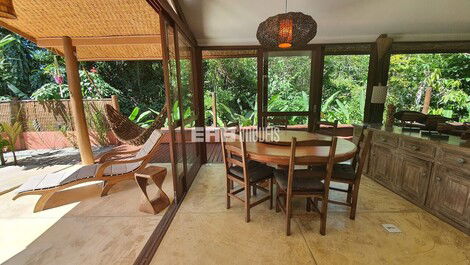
x: 59, y: 79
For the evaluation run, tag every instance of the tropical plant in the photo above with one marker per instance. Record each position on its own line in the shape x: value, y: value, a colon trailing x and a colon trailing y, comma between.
x: 98, y: 123
x: 12, y: 131
x: 144, y: 119
x: 3, y: 145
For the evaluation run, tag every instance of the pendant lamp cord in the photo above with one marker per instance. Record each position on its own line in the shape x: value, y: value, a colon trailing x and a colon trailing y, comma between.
x: 286, y: 6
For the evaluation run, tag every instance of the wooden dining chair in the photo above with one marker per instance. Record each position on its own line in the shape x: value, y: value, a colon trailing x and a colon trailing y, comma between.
x: 312, y: 184
x: 281, y: 122
x: 329, y: 129
x: 246, y: 173
x: 350, y: 173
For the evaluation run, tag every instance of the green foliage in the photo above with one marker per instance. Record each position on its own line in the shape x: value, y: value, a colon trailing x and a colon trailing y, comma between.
x: 447, y: 74
x: 144, y: 119
x: 344, y: 86
x: 235, y: 83
x: 13, y: 132
x: 3, y: 145
x: 97, y: 123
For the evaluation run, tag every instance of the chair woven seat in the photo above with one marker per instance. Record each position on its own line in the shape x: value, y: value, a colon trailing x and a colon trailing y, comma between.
x: 256, y: 171
x: 129, y: 132
x: 304, y: 180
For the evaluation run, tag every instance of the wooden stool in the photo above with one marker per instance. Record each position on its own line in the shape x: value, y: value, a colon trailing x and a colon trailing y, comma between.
x: 157, y: 174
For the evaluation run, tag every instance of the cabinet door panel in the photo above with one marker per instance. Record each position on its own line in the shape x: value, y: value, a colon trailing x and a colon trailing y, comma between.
x: 452, y: 195
x: 381, y: 165
x: 413, y: 178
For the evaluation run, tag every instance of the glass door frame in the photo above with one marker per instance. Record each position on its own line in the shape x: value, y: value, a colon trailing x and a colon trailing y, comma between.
x: 316, y: 83
x: 181, y: 180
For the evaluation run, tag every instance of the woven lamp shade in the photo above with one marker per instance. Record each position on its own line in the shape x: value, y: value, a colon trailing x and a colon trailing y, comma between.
x: 286, y: 30
x: 6, y: 9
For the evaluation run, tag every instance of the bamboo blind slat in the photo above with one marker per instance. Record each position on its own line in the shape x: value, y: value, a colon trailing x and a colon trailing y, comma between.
x: 84, y: 18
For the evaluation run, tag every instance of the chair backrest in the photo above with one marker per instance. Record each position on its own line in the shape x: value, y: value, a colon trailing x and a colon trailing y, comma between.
x: 233, y: 126
x: 363, y: 148
x: 333, y: 125
x: 281, y: 122
x: 330, y: 160
x: 148, y: 149
x: 234, y: 154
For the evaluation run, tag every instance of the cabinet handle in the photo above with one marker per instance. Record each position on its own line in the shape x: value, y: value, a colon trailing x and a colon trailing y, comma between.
x: 438, y: 178
x: 461, y: 160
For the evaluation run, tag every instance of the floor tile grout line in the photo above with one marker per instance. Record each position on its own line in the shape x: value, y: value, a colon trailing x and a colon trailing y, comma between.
x: 306, y: 243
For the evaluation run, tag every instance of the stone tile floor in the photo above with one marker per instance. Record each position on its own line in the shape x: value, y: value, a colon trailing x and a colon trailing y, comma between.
x: 205, y: 232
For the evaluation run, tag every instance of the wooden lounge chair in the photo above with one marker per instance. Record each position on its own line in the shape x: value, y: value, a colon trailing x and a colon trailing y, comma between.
x: 109, y: 170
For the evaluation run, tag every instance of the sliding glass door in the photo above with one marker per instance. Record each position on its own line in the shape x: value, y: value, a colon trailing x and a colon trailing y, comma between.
x: 178, y: 61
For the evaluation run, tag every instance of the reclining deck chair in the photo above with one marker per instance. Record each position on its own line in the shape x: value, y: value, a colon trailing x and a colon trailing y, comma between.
x: 109, y: 170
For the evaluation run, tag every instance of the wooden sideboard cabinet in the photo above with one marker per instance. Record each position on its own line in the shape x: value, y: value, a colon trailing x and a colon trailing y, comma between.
x: 433, y: 174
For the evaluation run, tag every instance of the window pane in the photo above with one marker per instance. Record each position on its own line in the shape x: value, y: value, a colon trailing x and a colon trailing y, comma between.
x: 234, y: 81
x: 288, y: 80
x: 344, y: 88
x: 448, y: 75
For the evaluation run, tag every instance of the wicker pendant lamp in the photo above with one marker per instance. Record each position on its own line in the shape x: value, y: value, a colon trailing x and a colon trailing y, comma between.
x: 286, y: 30
x: 6, y: 9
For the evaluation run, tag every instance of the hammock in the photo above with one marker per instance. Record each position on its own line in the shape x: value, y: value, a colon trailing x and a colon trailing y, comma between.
x: 129, y: 132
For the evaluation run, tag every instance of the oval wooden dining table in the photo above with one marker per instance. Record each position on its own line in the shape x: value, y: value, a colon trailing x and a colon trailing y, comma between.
x: 278, y: 152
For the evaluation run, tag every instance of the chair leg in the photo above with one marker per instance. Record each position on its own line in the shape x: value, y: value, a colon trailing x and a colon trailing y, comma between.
x: 309, y: 205
x: 288, y: 214
x: 324, y: 213
x: 107, y: 185
x: 355, y: 196
x: 229, y: 186
x: 348, y: 198
x: 255, y: 190
x: 41, y: 203
x: 278, y: 209
x: 247, y: 202
x: 270, y: 194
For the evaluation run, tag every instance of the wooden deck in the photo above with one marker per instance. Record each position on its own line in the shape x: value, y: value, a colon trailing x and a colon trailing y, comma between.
x: 214, y: 153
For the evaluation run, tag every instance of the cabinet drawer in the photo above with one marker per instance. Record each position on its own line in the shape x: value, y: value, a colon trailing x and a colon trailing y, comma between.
x: 457, y: 158
x: 385, y: 139
x: 417, y: 147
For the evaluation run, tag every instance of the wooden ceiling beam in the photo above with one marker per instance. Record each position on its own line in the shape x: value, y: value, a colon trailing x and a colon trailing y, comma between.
x: 162, y: 6
x: 101, y: 41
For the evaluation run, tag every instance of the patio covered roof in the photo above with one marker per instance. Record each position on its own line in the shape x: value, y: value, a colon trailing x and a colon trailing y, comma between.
x: 100, y: 30
x: 227, y: 22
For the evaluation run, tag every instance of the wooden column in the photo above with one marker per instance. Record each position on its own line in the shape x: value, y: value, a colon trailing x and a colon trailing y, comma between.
x: 316, y: 86
x: 260, y: 86
x: 199, y: 99
x: 379, y: 63
x: 76, y: 100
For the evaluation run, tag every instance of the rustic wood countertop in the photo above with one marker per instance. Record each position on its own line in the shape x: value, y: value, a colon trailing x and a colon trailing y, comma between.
x: 452, y: 140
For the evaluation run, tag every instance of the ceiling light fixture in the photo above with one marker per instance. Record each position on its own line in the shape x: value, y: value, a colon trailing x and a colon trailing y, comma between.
x: 286, y: 30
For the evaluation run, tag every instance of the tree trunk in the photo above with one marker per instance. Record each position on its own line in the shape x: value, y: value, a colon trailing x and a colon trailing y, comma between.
x: 2, y: 158
x: 427, y: 100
